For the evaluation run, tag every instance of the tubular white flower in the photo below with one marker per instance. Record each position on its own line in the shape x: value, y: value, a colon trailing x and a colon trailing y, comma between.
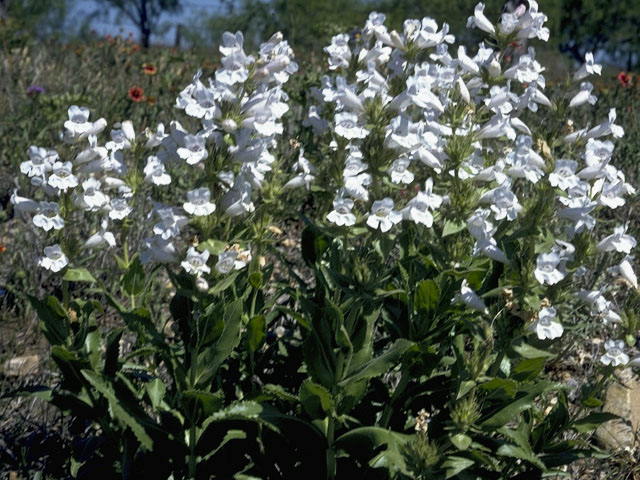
x: 54, y: 259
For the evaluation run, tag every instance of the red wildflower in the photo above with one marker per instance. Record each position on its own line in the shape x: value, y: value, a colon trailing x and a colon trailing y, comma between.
x: 136, y: 94
x: 2, y: 248
x: 149, y: 69
x: 625, y: 79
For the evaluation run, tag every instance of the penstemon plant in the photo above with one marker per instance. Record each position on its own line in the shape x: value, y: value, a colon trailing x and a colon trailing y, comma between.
x: 453, y: 243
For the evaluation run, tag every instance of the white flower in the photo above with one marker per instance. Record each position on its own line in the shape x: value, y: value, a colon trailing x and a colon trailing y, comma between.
x: 347, y: 126
x: 341, y: 214
x: 155, y: 172
x: 470, y: 298
x: 100, y: 239
x: 382, y: 215
x: 608, y: 127
x: 62, y: 178
x: 399, y: 172
x: 614, y: 353
x: 480, y: 21
x: 23, y: 204
x: 546, y: 327
x: 157, y: 249
x: 196, y: 263
x: 479, y: 227
x: 78, y: 122
x: 233, y: 259
x: 588, y: 68
x: 48, y: 217
x: 54, y: 259
x: 156, y: 138
x: 546, y: 271
x: 170, y: 224
x: 92, y: 197
x: 198, y: 203
x: 618, y: 241
x: 119, y: 209
x: 40, y: 161
x: 564, y: 176
x: 583, y: 96
x: 626, y: 270
x: 194, y: 150
x: 237, y: 201
x: 504, y: 203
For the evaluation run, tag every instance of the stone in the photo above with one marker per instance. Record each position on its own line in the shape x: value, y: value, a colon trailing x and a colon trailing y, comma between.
x: 622, y: 399
x: 21, y: 366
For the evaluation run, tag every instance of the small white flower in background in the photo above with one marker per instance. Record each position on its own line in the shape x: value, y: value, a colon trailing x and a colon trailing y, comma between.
x: 40, y: 161
x: 122, y: 137
x: 157, y: 249
x: 564, y: 176
x: 383, y: 216
x: 399, y: 171
x: 470, y: 298
x: 588, y: 68
x: 23, y: 204
x: 479, y: 226
x: 614, y: 353
x: 347, y: 126
x: 118, y: 209
x: 196, y: 263
x: 233, y: 259
x: 78, y: 122
x: 92, y: 198
x: 101, y: 239
x: 48, y: 216
x: 194, y: 149
x: 155, y: 171
x: 608, y: 127
x: 626, y: 271
x: 306, y: 173
x: 479, y: 20
x: 341, y: 214
x: 546, y: 270
x: 618, y: 241
x: 583, y: 96
x: 62, y: 178
x: 198, y: 203
x: 546, y: 326
x: 170, y: 224
x: 339, y: 52
x: 54, y: 259
x: 156, y: 138
x: 237, y: 201
x: 504, y: 202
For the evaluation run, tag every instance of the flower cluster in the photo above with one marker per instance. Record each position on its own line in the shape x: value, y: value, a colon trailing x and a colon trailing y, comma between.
x: 240, y: 115
x: 406, y: 109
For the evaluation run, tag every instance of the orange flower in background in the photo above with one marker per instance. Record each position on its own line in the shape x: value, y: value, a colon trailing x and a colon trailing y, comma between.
x: 136, y: 94
x: 2, y: 248
x: 625, y: 79
x: 151, y: 100
x: 149, y: 69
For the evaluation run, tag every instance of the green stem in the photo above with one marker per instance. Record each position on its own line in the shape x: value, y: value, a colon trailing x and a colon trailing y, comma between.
x: 192, y: 426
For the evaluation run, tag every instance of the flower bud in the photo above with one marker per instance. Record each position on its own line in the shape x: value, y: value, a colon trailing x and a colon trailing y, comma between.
x: 201, y: 284
x: 494, y: 68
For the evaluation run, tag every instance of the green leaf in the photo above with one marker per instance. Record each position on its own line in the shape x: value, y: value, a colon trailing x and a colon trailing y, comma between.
x: 381, y: 364
x: 53, y: 319
x: 78, y: 275
x: 156, y: 390
x: 513, y: 451
x: 460, y: 441
x: 454, y: 465
x: 256, y: 330
x: 364, y: 442
x: 134, y: 278
x: 592, y: 402
x: 118, y: 409
x: 315, y: 399
x: 223, y: 284
x: 200, y: 405
x: 592, y: 421
x: 427, y: 295
x: 508, y: 413
x: 528, y: 369
x: 527, y: 351
x: 451, y: 227
x: 501, y: 386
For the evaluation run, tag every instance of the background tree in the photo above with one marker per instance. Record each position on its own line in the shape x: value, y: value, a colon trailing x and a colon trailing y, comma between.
x: 145, y: 14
